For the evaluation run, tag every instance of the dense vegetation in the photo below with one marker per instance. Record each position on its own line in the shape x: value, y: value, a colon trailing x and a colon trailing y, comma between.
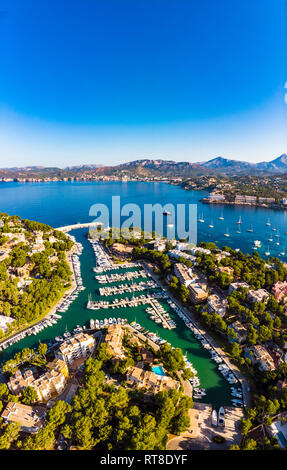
x: 47, y: 271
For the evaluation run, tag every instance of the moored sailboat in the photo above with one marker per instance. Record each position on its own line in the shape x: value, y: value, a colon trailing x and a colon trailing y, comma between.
x: 226, y: 234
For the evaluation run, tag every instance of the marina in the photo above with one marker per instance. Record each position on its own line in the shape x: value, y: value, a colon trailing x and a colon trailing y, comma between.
x: 158, y: 314
x: 58, y: 213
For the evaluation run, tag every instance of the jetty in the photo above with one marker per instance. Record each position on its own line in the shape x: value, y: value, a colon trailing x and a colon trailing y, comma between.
x: 68, y: 228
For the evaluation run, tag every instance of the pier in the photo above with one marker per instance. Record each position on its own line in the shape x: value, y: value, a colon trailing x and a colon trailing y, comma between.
x: 68, y: 228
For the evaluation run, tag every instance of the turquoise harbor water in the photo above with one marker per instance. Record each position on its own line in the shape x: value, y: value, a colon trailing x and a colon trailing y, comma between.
x: 67, y: 203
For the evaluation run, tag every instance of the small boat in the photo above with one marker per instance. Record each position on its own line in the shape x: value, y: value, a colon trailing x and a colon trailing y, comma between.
x: 283, y: 252
x: 257, y: 243
x: 239, y: 221
x: 268, y: 223
x: 201, y: 219
x: 267, y: 253
x: 221, y: 416
x: 211, y: 224
x: 214, y: 418
x: 221, y: 216
x: 227, y: 233
x: 250, y: 229
x: 270, y: 239
x: 274, y: 229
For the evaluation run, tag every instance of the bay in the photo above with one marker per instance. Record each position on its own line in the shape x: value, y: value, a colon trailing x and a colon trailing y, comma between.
x: 65, y: 203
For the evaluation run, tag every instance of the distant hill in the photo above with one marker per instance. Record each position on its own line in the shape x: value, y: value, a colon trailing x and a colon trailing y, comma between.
x: 148, y: 168
x: 224, y: 165
x: 279, y: 165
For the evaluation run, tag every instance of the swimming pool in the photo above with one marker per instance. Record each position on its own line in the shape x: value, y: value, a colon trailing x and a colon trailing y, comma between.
x: 282, y: 440
x: 158, y: 370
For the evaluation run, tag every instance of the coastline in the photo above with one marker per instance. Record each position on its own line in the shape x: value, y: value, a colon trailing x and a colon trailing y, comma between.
x: 278, y: 207
x: 55, y: 307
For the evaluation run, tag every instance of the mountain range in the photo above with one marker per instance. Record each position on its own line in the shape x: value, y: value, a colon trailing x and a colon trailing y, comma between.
x: 157, y: 167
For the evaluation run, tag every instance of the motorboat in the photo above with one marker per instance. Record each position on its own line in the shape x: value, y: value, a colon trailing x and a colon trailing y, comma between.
x: 221, y: 417
x: 227, y: 234
x: 214, y: 418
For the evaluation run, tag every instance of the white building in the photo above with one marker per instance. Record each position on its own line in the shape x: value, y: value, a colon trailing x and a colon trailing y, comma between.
x: 177, y: 254
x: 236, y: 285
x: 80, y: 345
x: 259, y: 295
x: 198, y: 249
x: 4, y: 322
x: 184, y: 274
x: 216, y: 305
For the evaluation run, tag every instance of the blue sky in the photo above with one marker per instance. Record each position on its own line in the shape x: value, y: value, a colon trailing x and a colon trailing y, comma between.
x: 106, y: 81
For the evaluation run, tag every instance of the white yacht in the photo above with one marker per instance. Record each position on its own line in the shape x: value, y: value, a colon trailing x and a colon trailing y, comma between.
x: 239, y: 221
x: 268, y: 223
x: 214, y: 418
x: 227, y: 233
x: 221, y: 417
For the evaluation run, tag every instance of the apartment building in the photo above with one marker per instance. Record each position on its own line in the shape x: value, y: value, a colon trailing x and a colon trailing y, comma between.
x: 197, y: 293
x: 31, y: 418
x: 141, y: 378
x: 216, y: 305
x: 237, y: 285
x: 280, y: 290
x: 159, y: 245
x: 259, y: 295
x: 259, y: 355
x: 242, y: 199
x: 5, y: 322
x: 183, y: 273
x: 240, y: 331
x: 178, y: 254
x: 266, y: 200
x: 80, y: 345
x: 216, y: 197
x: 47, y: 385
